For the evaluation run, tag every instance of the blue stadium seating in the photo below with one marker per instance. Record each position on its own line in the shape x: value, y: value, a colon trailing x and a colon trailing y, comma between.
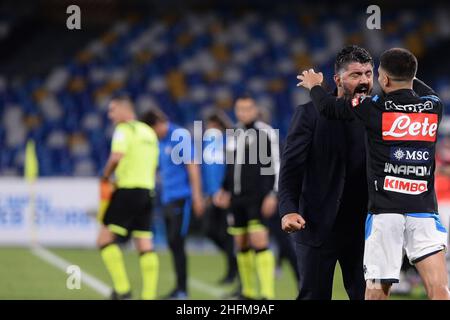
x: 184, y: 65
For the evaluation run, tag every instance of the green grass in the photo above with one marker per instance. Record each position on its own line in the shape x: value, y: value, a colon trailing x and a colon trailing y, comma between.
x: 25, y: 276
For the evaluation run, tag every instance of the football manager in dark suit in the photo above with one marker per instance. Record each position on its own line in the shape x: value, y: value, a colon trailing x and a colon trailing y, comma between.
x: 323, y: 187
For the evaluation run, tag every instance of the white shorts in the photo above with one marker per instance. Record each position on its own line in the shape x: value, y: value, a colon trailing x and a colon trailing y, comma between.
x: 390, y: 235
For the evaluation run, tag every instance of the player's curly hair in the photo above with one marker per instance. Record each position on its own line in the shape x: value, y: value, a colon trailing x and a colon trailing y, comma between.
x: 349, y: 54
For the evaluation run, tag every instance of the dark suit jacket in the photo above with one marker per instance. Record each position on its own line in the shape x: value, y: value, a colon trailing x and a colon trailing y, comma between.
x: 313, y: 174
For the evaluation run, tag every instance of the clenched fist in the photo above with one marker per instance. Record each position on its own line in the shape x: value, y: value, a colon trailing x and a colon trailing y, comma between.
x: 292, y: 222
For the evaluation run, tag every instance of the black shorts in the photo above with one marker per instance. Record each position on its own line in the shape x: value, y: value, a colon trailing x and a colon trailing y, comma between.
x: 247, y: 216
x: 215, y: 222
x: 130, y: 210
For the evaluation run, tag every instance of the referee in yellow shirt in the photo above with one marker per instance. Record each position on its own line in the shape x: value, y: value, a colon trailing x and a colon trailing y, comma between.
x: 133, y: 159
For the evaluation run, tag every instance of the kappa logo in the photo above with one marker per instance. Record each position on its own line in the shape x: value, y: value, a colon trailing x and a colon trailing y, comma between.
x: 419, y: 107
x: 411, y: 155
x: 405, y: 186
x: 409, y: 126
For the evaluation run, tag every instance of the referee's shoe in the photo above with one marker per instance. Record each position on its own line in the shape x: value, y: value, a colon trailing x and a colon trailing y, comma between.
x: 176, y: 295
x: 117, y: 296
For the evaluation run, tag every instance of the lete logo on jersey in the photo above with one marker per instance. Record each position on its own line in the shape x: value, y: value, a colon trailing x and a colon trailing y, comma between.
x: 409, y: 126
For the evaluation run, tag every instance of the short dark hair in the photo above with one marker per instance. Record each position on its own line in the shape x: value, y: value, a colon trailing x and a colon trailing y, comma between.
x: 220, y: 117
x: 153, y: 116
x: 124, y: 99
x: 399, y: 63
x: 349, y: 54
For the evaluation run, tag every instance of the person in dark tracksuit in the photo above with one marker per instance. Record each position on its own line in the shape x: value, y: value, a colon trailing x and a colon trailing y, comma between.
x: 250, y: 190
x: 323, y: 182
x: 181, y: 191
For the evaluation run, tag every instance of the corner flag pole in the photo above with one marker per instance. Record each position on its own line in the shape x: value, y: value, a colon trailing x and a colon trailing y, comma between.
x: 31, y: 172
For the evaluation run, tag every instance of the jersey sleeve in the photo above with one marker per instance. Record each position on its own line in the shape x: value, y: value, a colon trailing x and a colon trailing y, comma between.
x: 427, y: 93
x: 120, y: 141
x: 422, y: 89
x: 340, y: 108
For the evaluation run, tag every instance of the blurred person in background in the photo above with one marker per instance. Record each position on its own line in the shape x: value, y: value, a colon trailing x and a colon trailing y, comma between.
x: 181, y: 191
x: 323, y: 182
x: 442, y: 184
x: 215, y: 222
x: 285, y: 243
x: 133, y: 160
x: 251, y: 194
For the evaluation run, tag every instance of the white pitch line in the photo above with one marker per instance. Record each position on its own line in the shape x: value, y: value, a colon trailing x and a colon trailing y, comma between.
x: 58, y: 262
x: 102, y: 288
x: 206, y: 288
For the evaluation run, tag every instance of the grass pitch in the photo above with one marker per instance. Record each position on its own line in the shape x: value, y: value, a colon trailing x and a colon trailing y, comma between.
x: 24, y: 275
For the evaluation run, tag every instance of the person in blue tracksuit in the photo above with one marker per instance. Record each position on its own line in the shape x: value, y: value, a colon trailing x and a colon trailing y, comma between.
x: 213, y: 167
x: 181, y: 191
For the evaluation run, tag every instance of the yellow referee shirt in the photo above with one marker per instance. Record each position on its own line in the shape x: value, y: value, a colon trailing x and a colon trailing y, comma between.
x: 139, y: 145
